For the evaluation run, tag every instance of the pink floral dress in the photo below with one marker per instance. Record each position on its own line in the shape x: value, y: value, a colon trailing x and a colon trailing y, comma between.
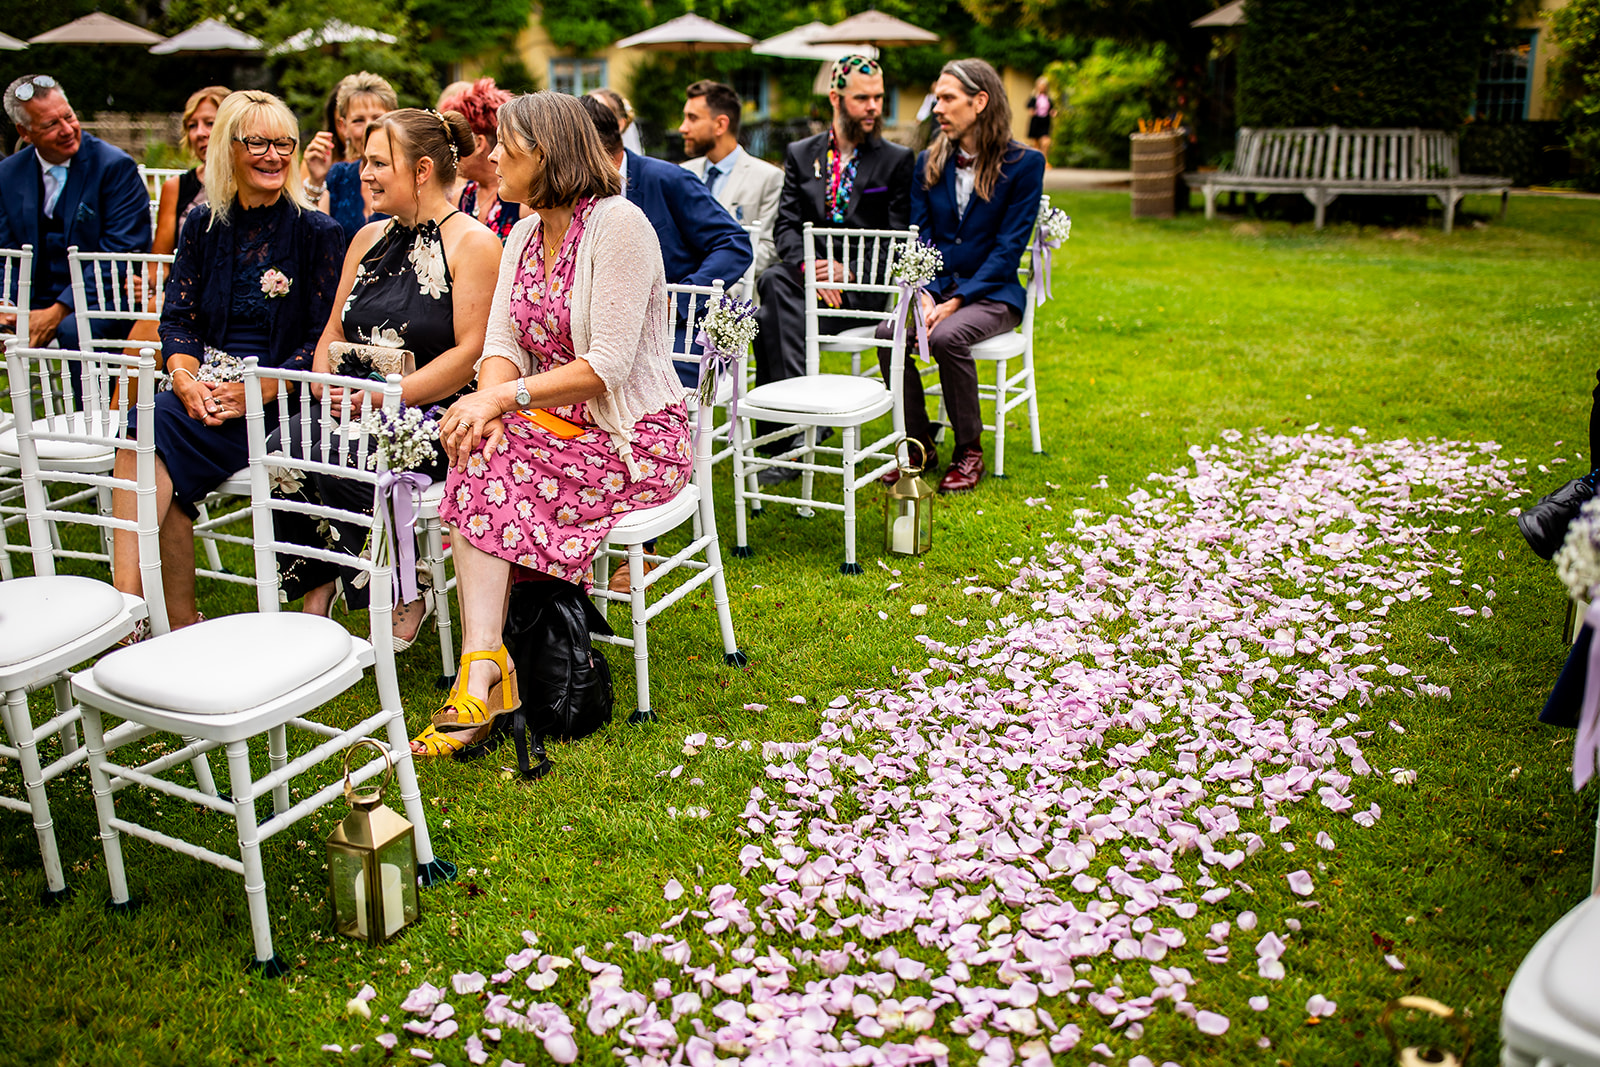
x: 544, y: 502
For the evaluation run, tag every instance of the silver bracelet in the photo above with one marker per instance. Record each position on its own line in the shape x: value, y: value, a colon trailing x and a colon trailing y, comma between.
x: 315, y: 192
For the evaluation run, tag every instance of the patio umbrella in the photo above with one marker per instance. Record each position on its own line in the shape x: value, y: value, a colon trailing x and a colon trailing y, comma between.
x: 97, y: 28
x: 9, y: 43
x: 797, y: 44
x: 877, y: 28
x: 211, y: 35
x: 688, y: 33
x: 1229, y: 14
x: 332, y: 32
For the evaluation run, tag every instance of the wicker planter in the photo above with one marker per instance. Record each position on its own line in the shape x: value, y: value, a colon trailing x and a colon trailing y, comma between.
x: 1157, y: 164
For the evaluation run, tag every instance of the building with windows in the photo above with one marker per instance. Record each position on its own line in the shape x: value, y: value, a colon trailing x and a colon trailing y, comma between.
x: 1514, y: 79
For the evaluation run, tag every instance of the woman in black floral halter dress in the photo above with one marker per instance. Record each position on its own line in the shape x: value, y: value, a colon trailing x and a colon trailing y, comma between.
x: 420, y: 280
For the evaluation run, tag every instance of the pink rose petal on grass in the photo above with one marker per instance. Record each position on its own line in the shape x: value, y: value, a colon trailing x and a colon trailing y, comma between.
x: 1324, y: 840
x: 673, y: 889
x: 468, y: 983
x: 1209, y: 1022
x: 1394, y: 962
x: 1320, y: 1006
x: 1258, y: 1003
x: 1300, y: 882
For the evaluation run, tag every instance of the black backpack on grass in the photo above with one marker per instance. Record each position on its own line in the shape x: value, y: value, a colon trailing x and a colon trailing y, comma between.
x: 565, y: 683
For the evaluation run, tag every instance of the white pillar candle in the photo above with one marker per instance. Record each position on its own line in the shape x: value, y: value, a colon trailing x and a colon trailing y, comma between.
x: 905, y: 535
x: 394, y: 903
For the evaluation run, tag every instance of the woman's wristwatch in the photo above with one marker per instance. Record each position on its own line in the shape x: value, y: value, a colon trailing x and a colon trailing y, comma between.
x: 524, y: 398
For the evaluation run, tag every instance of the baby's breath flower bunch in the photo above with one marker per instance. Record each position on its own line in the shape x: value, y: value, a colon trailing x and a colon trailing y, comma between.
x: 919, y: 264
x: 217, y: 367
x: 730, y: 328
x: 1055, y: 224
x: 404, y: 439
x: 1578, y: 562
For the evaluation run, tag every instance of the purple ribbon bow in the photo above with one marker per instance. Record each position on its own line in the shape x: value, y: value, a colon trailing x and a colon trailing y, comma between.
x: 714, y: 364
x: 397, y: 496
x: 1043, y: 245
x: 912, y: 292
x: 1583, y: 749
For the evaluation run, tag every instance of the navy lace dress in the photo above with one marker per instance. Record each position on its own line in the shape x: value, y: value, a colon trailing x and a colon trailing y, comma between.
x: 401, y: 298
x: 215, y: 299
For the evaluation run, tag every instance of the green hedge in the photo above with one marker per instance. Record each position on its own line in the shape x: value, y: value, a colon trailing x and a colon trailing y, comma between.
x: 1362, y: 63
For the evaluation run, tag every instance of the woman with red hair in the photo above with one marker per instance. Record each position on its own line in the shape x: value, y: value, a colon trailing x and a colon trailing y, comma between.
x: 480, y: 189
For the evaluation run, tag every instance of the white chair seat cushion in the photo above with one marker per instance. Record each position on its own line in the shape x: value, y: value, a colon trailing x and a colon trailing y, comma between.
x: 94, y: 423
x: 225, y: 665
x: 1573, y: 973
x: 645, y: 523
x: 1006, y: 345
x: 855, y: 339
x: 39, y: 615
x: 818, y: 394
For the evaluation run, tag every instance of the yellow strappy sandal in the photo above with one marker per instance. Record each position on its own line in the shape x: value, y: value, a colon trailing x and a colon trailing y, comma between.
x: 464, y: 720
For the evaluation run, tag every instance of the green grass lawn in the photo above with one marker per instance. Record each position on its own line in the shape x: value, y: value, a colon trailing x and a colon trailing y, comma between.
x: 1161, y: 335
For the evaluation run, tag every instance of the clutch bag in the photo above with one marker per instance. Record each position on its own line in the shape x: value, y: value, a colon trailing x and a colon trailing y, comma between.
x: 351, y: 360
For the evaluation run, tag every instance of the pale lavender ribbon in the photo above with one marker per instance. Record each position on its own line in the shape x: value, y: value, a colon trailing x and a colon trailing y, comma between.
x: 1583, y: 749
x: 397, y: 495
x: 716, y: 363
x: 1042, y: 247
x: 912, y: 292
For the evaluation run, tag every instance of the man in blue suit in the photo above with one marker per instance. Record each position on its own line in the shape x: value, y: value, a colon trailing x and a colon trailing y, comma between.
x: 65, y: 188
x: 975, y: 197
x: 700, y: 241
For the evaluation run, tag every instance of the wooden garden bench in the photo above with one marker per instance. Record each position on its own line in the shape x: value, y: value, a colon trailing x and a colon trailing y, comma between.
x: 1323, y: 164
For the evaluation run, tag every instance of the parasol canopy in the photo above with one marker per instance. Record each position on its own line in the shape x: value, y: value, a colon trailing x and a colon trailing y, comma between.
x: 97, y: 28
x: 689, y: 33
x: 877, y: 28
x: 1229, y: 14
x: 9, y: 43
x: 211, y: 35
x: 797, y: 44
x: 332, y: 32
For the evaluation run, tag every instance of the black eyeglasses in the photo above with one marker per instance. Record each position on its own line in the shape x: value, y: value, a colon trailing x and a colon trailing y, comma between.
x: 27, y: 89
x: 257, y: 146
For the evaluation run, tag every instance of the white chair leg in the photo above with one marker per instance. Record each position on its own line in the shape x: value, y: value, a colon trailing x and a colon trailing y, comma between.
x: 719, y: 597
x: 201, y: 766
x: 68, y: 733
x: 808, y: 478
x: 105, y: 808
x: 748, y: 432
x: 255, y: 879
x: 1033, y: 400
x: 20, y: 727
x: 5, y: 553
x: 1000, y: 397
x: 847, y: 461
x: 641, y: 639
x: 103, y: 505
x: 278, y: 758
x: 430, y: 868
x: 213, y: 559
x: 434, y: 547
x: 742, y: 484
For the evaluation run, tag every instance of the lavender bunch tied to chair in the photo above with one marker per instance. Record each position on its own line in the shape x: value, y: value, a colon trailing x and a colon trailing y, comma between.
x: 919, y: 264
x: 727, y: 331
x: 402, y: 439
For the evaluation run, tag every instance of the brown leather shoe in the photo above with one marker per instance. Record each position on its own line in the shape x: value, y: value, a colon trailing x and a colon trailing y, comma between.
x: 966, y: 471
x: 622, y: 581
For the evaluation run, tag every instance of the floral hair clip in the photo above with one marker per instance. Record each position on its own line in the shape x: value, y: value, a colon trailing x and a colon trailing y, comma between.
x: 449, y: 137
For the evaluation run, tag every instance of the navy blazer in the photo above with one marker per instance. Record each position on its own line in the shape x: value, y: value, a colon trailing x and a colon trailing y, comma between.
x: 983, y: 248
x: 700, y: 241
x: 104, y: 206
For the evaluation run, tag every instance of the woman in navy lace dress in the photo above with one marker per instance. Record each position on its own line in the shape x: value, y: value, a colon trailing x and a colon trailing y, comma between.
x: 255, y: 275
x: 422, y: 281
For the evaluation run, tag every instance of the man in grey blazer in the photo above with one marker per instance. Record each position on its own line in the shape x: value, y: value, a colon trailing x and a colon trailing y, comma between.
x: 748, y: 187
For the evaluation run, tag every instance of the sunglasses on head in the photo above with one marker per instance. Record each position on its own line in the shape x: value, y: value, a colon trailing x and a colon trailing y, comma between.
x: 29, y: 88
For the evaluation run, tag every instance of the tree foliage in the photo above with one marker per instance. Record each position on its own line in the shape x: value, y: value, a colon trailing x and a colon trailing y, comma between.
x: 1363, y: 63
x: 1576, y: 30
x: 1109, y: 91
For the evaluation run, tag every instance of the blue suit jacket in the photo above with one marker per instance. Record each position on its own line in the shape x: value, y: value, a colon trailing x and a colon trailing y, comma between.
x: 983, y: 248
x: 104, y: 206
x: 700, y: 241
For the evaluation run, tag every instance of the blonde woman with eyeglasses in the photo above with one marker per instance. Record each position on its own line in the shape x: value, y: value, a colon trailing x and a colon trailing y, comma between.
x: 255, y: 275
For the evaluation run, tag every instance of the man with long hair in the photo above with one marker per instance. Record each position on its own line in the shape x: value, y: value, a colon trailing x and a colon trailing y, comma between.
x: 846, y: 176
x: 975, y: 199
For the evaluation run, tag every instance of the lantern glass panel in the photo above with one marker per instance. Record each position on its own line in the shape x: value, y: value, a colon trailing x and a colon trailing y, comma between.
x: 924, y: 524
x: 348, y: 878
x: 397, y: 861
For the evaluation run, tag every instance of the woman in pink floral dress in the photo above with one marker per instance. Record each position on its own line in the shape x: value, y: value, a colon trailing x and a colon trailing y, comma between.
x: 578, y: 328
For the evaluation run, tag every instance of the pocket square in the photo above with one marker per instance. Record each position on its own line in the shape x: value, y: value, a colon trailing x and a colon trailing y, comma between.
x: 875, y: 189
x: 85, y: 212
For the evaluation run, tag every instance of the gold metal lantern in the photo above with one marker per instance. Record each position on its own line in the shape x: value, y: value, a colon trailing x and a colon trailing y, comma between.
x: 372, y: 863
x: 908, y: 506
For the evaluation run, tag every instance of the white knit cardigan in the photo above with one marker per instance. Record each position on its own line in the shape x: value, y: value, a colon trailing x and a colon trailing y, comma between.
x: 619, y: 317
